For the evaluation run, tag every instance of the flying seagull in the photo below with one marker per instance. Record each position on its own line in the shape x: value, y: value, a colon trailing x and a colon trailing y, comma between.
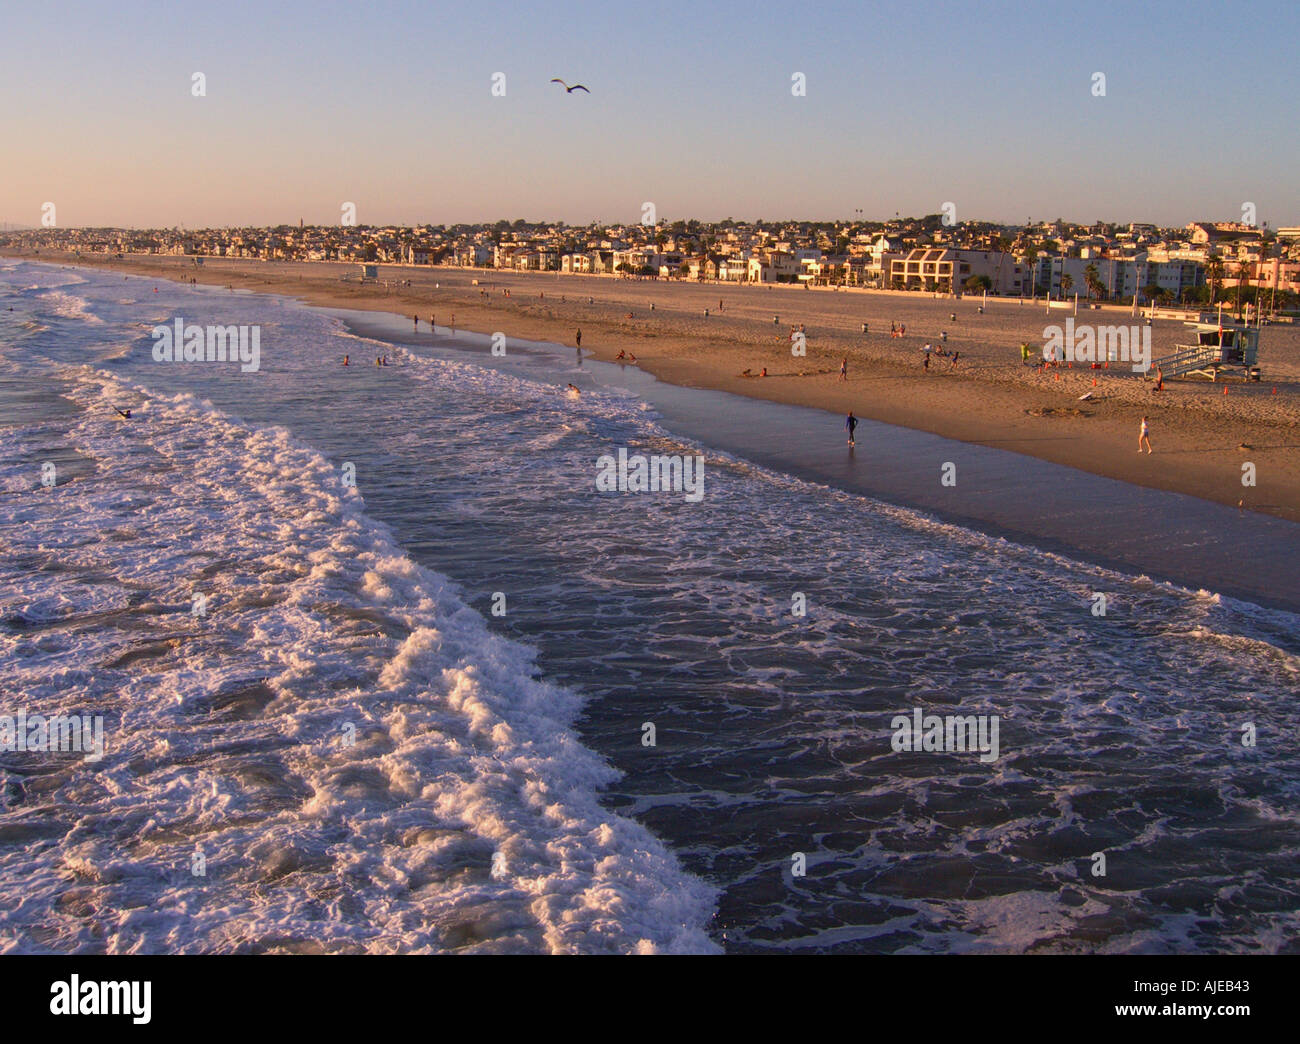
x: 567, y: 88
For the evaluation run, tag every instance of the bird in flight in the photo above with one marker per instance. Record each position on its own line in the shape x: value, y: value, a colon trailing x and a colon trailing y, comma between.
x: 567, y: 88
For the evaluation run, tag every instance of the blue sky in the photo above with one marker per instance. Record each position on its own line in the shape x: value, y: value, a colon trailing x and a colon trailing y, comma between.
x: 389, y: 106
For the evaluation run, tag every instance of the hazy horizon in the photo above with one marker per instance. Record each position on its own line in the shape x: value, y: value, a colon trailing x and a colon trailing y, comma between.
x: 391, y: 108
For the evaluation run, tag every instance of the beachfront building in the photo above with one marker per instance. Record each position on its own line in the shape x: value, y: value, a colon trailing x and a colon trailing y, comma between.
x: 878, y: 262
x: 701, y: 267
x: 576, y: 264
x: 474, y: 255
x: 946, y: 270
x: 827, y: 270
x: 1118, y: 277
x: 734, y: 269
x: 1273, y: 274
x: 777, y: 266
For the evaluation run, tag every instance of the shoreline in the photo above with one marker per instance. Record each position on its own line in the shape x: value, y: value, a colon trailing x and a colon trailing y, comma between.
x: 1202, y: 437
x: 1198, y: 545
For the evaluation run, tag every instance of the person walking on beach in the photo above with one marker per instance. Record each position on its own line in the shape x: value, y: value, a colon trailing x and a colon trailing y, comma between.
x: 851, y: 422
x: 1144, y: 436
x: 844, y: 368
x: 578, y: 337
x: 926, y: 365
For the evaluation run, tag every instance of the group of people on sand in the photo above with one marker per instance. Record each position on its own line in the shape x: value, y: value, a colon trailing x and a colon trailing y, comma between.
x: 930, y: 349
x: 898, y: 331
x: 623, y: 356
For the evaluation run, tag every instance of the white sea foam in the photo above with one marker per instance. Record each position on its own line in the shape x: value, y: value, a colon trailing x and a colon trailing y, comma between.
x: 316, y: 619
x: 65, y: 306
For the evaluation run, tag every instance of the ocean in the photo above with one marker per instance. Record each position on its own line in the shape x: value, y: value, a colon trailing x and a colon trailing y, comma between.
x: 381, y: 669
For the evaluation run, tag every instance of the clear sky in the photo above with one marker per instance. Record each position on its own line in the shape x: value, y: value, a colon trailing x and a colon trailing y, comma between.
x: 389, y: 106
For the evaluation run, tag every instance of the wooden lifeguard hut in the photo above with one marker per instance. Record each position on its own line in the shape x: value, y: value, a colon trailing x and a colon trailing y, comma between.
x: 1214, y: 347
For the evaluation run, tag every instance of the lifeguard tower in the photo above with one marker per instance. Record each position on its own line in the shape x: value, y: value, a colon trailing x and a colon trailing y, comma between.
x: 1214, y: 347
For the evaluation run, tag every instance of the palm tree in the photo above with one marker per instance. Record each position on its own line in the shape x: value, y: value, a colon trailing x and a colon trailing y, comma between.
x: 1093, y: 278
x: 1067, y: 283
x: 1214, y: 270
x: 1243, y: 274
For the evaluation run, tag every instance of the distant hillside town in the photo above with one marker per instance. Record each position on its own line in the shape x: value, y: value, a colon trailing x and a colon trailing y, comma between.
x: 1201, y: 263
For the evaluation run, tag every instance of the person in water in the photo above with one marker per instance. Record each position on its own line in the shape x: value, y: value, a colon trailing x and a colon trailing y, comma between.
x: 345, y: 360
x: 851, y: 422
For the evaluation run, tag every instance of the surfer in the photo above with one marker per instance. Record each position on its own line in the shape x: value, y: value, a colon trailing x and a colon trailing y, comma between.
x: 125, y: 413
x: 573, y: 390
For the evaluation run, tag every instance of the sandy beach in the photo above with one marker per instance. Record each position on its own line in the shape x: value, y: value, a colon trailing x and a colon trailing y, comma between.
x: 1201, y: 437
